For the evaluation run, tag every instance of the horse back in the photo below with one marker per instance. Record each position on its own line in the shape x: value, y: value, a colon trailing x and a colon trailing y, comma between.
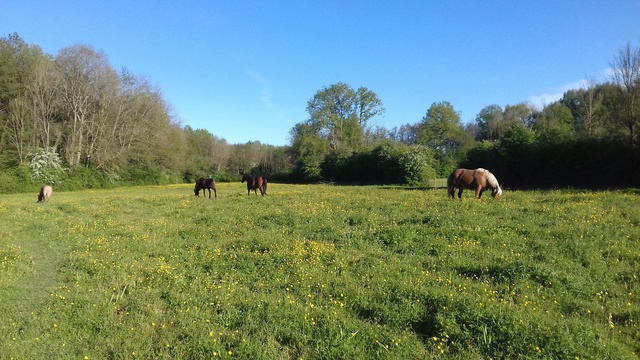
x: 461, y: 178
x: 45, y: 193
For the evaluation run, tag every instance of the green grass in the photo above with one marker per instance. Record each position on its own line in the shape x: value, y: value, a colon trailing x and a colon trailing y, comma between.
x: 319, y: 272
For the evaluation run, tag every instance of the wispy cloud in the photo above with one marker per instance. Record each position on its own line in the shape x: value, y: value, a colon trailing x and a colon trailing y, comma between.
x: 540, y: 101
x: 265, y: 90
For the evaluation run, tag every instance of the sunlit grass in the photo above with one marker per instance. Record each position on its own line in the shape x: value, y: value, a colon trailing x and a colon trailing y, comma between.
x: 315, y: 271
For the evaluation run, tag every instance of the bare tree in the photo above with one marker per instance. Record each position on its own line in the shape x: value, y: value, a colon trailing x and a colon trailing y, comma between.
x: 82, y: 72
x: 220, y: 152
x: 626, y: 74
x: 588, y: 121
x: 40, y: 88
x: 18, y: 135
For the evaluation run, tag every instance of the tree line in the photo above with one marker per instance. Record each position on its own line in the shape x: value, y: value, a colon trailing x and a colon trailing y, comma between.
x: 73, y: 120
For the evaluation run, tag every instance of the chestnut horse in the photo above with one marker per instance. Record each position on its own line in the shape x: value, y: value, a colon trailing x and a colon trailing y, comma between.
x: 478, y: 180
x: 45, y: 193
x: 204, y: 185
x: 255, y: 183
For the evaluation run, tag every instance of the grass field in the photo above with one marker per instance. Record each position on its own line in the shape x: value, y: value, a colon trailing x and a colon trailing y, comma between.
x: 319, y: 272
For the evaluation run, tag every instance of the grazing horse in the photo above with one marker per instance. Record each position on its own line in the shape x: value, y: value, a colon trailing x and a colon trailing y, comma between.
x: 45, y: 193
x: 478, y: 180
x: 204, y: 185
x: 255, y: 183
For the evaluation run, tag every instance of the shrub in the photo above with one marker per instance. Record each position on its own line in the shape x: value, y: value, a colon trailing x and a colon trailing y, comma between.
x: 46, y: 165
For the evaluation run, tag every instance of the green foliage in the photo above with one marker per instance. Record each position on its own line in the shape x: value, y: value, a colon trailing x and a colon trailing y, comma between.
x: 309, y: 150
x: 319, y: 272
x: 46, y: 166
x: 18, y: 180
x: 441, y: 130
x: 439, y: 125
x: 336, y: 129
x: 555, y: 124
x: 114, y: 128
x: 144, y: 173
x: 417, y: 163
x: 340, y: 114
x: 541, y: 164
x: 386, y: 163
x: 85, y: 178
x: 518, y: 135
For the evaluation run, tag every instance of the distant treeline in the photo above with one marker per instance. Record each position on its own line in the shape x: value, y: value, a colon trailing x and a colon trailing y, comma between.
x: 72, y: 120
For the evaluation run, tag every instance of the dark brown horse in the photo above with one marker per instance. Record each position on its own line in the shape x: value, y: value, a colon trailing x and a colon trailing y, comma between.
x: 255, y: 184
x: 204, y: 185
x: 478, y: 180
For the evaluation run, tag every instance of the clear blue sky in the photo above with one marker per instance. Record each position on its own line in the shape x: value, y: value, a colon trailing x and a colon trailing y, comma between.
x: 244, y: 70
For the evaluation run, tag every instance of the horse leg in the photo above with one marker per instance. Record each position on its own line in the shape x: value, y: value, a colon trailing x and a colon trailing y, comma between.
x: 209, y: 192
x: 215, y: 193
x: 460, y: 193
x: 478, y: 192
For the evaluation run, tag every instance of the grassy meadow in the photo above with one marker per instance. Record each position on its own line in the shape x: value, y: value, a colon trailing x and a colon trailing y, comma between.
x: 319, y: 272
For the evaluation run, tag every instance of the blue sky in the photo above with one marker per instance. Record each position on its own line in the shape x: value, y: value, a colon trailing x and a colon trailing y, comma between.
x: 244, y: 70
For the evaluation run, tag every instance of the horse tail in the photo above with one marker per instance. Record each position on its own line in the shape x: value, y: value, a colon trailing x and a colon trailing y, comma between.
x: 450, y: 187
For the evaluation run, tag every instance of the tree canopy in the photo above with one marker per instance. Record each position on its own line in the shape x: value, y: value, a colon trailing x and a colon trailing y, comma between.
x: 73, y: 118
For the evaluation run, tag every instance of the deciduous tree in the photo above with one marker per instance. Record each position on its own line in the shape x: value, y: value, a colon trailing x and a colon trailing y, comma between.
x: 626, y: 74
x: 341, y: 114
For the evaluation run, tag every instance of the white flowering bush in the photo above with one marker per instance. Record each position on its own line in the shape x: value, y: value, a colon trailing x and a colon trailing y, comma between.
x: 417, y: 163
x: 46, y: 165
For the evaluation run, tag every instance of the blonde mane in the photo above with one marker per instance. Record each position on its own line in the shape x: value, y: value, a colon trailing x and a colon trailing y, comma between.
x: 490, y: 178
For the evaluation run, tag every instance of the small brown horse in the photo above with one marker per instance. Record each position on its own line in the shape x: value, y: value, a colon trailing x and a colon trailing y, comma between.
x: 45, y: 193
x: 255, y: 183
x: 204, y: 185
x: 478, y: 180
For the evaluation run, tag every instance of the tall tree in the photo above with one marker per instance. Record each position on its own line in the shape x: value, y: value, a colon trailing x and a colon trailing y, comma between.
x: 555, y: 123
x: 589, y: 108
x: 519, y: 114
x: 41, y: 94
x: 84, y: 73
x: 442, y: 130
x: 308, y: 149
x: 407, y: 134
x: 626, y: 74
x: 341, y: 114
x: 17, y: 62
x: 490, y: 123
